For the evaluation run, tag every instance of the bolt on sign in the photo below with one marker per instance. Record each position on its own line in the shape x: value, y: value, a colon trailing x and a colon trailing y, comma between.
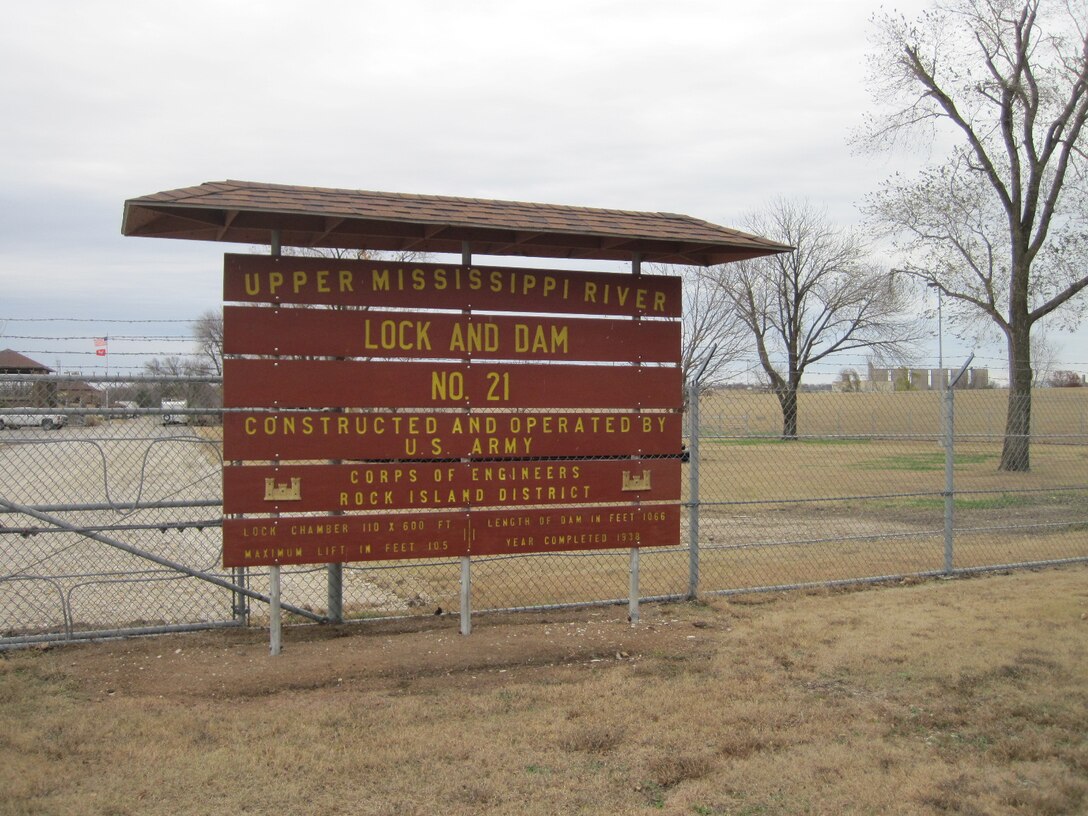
x: 465, y: 410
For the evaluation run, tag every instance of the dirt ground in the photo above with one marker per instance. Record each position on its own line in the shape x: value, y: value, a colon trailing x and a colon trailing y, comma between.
x: 226, y: 664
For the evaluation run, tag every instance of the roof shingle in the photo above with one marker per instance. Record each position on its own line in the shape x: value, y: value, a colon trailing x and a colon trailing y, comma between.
x: 248, y: 213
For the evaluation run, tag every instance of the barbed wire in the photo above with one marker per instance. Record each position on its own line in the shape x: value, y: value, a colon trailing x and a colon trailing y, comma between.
x: 148, y: 338
x: 89, y: 320
x: 112, y: 354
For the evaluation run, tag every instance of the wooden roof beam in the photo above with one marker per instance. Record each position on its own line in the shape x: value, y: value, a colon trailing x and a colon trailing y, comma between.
x: 331, y: 224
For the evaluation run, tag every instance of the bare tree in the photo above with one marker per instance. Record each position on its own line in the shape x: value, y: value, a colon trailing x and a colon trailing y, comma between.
x: 818, y: 300
x: 1044, y: 357
x: 208, y: 330
x: 400, y: 256
x: 177, y: 374
x: 850, y: 380
x: 1000, y: 226
x: 1066, y: 379
x: 711, y: 332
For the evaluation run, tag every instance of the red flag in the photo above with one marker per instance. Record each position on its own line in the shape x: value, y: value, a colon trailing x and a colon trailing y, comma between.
x: 100, y: 352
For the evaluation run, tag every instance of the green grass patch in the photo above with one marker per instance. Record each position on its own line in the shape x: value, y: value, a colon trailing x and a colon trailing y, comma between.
x: 925, y: 461
x: 751, y: 441
x: 1001, y: 501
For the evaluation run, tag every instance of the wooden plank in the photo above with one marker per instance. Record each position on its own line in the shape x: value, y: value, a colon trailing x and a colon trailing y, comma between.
x: 419, y: 335
x: 341, y: 539
x: 384, y: 435
x: 517, y: 532
x: 341, y: 282
x: 358, y: 487
x: 350, y: 384
x: 385, y: 537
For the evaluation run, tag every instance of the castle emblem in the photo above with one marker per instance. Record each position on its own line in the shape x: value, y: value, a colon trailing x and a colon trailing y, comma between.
x: 287, y: 491
x: 636, y: 482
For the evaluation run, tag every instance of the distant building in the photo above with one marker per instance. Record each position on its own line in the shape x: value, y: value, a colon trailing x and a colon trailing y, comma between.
x: 25, y: 394
x: 923, y: 379
x: 31, y: 394
x: 12, y: 362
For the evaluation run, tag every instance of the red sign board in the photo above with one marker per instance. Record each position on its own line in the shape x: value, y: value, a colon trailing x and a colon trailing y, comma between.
x: 266, y: 279
x: 375, y: 334
x: 384, y: 435
x: 363, y: 384
x: 446, y: 485
x: 333, y: 539
x: 446, y: 413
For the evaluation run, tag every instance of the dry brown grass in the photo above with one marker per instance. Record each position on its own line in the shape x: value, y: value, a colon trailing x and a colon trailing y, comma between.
x: 1055, y: 412
x: 938, y: 697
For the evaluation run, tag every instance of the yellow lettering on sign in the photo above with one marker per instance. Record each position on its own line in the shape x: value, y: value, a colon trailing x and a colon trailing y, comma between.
x: 397, y: 335
x: 536, y: 339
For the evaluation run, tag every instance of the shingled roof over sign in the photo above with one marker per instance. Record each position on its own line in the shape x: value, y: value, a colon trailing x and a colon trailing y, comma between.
x: 244, y: 212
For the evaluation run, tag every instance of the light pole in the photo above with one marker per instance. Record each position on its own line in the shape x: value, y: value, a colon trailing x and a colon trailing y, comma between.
x: 940, y: 327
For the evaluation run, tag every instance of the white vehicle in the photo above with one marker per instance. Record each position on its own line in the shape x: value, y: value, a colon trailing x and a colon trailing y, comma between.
x: 45, y: 421
x: 169, y: 418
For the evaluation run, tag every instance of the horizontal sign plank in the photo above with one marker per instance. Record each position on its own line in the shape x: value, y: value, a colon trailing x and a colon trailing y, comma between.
x: 375, y: 334
x: 510, y: 532
x: 348, y: 384
x: 384, y: 435
x: 348, y: 538
x: 389, y: 486
x: 339, y: 539
x: 342, y: 282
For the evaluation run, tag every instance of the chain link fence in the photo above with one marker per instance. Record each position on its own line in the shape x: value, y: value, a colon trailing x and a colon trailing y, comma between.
x: 111, y: 523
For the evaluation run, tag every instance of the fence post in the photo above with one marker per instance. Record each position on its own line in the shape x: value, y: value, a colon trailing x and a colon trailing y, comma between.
x: 949, y: 465
x: 241, y: 602
x: 275, y: 614
x: 466, y: 595
x: 949, y: 478
x: 693, y: 491
x: 336, y: 592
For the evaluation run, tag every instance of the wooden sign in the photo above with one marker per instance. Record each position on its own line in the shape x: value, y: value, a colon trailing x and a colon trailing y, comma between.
x: 471, y: 421
x: 383, y: 537
x: 358, y: 487
x: 347, y: 383
x: 384, y: 435
x: 436, y: 335
x: 340, y: 539
x: 383, y: 284
x: 508, y: 532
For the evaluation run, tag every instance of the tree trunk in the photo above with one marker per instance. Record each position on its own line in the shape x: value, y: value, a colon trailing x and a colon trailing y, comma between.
x: 787, y: 399
x: 1016, y: 452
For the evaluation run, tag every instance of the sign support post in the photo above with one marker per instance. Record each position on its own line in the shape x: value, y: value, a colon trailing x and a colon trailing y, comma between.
x: 466, y: 561
x: 632, y: 601
x: 466, y: 595
x: 275, y: 613
x: 275, y: 623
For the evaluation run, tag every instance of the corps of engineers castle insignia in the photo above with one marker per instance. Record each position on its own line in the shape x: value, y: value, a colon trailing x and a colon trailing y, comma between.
x: 287, y: 491
x: 636, y: 482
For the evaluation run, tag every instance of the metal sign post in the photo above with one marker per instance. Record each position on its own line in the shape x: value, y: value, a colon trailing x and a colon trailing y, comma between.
x: 949, y: 466
x: 275, y: 621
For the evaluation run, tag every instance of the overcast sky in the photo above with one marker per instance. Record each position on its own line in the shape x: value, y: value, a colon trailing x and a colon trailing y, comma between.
x: 708, y: 108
